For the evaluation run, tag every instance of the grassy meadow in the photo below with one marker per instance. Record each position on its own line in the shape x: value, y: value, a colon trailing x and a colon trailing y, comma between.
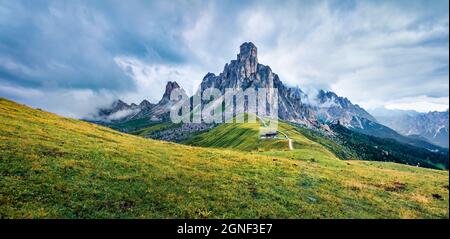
x: 55, y: 167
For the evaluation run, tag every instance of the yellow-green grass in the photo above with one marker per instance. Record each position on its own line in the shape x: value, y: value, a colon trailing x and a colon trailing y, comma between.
x: 54, y: 167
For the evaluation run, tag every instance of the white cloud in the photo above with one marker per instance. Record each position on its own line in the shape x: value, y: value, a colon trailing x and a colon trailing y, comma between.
x: 420, y: 104
x: 151, y: 79
x: 121, y: 114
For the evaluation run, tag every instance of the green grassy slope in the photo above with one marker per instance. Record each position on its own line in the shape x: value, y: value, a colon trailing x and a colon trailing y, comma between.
x: 339, y: 150
x: 54, y: 167
x: 237, y: 136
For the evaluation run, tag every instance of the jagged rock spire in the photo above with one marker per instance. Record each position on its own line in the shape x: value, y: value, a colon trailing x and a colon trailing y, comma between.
x: 248, y: 51
x: 170, y: 86
x: 248, y: 56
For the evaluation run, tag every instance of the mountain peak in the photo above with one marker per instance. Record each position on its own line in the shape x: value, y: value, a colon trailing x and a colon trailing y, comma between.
x: 145, y: 103
x: 248, y: 51
x: 119, y: 104
x: 170, y: 86
x: 248, y: 58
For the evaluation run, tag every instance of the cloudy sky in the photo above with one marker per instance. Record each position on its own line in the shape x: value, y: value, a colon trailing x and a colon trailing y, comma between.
x: 70, y: 57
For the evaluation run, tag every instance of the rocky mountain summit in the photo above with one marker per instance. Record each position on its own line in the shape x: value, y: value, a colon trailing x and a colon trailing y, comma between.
x: 246, y: 72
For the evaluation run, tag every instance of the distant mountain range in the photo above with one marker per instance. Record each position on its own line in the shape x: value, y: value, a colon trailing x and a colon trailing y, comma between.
x: 294, y: 105
x: 432, y: 126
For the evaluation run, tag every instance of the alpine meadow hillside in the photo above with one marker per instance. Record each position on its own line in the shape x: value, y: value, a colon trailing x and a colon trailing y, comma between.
x: 56, y: 167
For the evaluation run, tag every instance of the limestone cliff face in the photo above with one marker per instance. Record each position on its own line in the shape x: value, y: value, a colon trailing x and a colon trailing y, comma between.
x: 246, y: 72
